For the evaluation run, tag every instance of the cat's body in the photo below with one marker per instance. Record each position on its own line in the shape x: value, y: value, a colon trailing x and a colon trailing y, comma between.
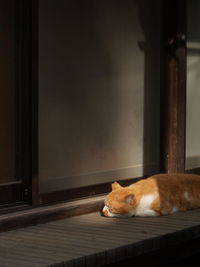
x: 160, y: 194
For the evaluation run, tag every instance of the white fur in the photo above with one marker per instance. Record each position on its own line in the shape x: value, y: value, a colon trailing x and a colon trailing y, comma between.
x: 146, y: 213
x: 144, y: 207
x: 142, y: 210
x: 110, y: 214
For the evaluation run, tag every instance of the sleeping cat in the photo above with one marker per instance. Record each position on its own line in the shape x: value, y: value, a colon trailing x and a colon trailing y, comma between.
x: 160, y: 194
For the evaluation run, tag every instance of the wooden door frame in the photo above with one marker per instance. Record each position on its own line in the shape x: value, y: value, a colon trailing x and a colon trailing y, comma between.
x: 23, y: 85
x: 18, y: 192
x: 173, y: 124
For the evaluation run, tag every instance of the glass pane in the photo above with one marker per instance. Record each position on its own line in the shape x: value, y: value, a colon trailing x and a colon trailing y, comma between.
x: 98, y: 91
x: 193, y: 89
x: 7, y: 92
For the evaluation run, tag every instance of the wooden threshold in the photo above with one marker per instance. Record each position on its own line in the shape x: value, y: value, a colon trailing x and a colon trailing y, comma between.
x: 92, y: 240
x: 32, y: 216
x: 21, y: 215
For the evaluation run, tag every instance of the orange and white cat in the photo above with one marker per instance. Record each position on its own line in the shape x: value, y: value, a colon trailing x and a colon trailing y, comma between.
x: 160, y: 194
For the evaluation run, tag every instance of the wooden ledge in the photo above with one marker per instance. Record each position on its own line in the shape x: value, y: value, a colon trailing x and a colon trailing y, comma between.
x: 32, y: 216
x: 92, y: 240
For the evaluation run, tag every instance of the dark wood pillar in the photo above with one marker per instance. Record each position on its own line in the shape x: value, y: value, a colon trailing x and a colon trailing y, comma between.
x: 36, y: 200
x: 174, y: 87
x: 23, y: 85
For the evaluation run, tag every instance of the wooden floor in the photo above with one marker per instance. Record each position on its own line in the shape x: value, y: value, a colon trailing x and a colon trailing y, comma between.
x: 92, y: 240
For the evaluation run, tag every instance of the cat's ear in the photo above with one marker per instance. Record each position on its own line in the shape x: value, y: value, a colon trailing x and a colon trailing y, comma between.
x: 116, y: 186
x: 129, y: 199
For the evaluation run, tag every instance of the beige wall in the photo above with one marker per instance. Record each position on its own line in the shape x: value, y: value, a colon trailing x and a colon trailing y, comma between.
x: 193, y: 86
x: 98, y: 91
x: 7, y: 131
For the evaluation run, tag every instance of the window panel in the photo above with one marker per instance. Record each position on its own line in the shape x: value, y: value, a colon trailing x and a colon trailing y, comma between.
x: 99, y: 69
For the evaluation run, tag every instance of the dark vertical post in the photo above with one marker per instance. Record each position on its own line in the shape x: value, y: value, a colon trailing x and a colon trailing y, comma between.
x: 174, y: 85
x: 23, y: 95
x: 35, y: 174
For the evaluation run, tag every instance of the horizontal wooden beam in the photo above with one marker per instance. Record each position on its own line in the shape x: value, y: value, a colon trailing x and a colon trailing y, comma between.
x: 32, y: 216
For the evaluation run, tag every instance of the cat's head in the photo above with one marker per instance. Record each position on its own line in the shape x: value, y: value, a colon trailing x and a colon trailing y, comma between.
x: 120, y: 202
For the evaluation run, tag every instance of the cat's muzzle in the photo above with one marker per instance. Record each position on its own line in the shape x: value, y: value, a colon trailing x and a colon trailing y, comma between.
x: 105, y: 212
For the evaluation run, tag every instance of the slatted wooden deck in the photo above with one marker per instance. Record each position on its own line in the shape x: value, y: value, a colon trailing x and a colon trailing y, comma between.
x: 92, y: 240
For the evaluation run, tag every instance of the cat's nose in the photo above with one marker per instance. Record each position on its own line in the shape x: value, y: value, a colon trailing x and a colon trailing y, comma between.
x: 101, y: 213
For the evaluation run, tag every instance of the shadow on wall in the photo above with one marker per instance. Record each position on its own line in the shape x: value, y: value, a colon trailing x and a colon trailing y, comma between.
x: 150, y: 20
